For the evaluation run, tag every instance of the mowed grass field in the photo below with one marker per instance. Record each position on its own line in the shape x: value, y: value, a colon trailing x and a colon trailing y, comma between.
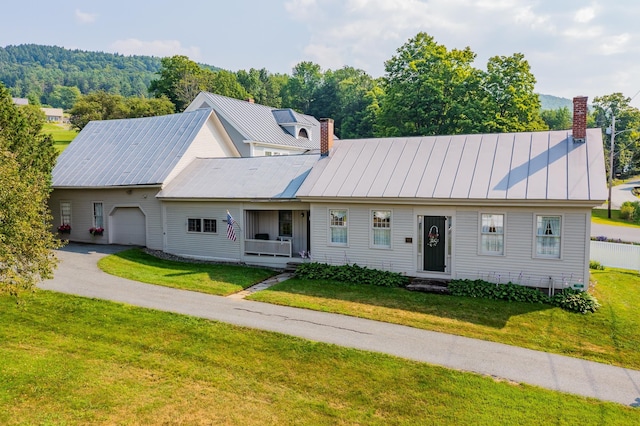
x: 77, y: 361
x: 609, y: 335
x: 61, y: 133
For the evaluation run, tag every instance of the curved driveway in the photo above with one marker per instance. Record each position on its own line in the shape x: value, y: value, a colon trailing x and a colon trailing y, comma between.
x: 78, y: 274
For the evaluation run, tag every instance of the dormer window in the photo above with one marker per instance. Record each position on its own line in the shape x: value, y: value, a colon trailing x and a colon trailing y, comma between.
x: 303, y: 134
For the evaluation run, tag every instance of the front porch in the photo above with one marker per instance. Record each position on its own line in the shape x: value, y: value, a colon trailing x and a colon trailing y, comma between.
x: 276, y: 234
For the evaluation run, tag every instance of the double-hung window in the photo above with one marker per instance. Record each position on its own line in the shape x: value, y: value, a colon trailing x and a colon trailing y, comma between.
x: 381, y: 228
x: 65, y: 212
x: 338, y: 226
x: 98, y: 217
x: 548, y: 233
x: 492, y: 234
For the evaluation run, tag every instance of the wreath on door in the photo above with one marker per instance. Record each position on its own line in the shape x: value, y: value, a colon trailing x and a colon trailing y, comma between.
x: 433, y: 237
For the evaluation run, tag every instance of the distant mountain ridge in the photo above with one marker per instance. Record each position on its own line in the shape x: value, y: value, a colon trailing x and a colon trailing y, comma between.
x: 34, y: 70
x: 555, y: 102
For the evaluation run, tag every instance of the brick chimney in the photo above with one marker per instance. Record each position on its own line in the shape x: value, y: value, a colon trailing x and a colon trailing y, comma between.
x: 579, y: 119
x: 326, y: 136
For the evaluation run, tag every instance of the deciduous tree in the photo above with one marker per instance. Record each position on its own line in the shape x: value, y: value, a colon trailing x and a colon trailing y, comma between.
x: 26, y: 160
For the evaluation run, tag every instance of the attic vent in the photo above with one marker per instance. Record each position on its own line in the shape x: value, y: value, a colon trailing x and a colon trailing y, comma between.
x: 303, y: 134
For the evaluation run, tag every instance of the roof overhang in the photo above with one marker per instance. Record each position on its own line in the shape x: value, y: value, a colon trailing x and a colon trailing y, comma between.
x: 152, y: 185
x: 456, y: 202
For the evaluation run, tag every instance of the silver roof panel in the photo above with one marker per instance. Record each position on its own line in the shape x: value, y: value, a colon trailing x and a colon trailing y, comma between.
x: 139, y: 151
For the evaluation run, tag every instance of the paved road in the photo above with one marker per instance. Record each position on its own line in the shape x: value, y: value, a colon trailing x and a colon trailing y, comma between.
x: 79, y: 275
x: 622, y: 193
x: 623, y: 233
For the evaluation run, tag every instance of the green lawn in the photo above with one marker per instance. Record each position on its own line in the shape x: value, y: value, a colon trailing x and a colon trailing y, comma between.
x: 62, y: 135
x: 600, y: 216
x: 610, y: 335
x: 76, y: 361
x: 221, y: 280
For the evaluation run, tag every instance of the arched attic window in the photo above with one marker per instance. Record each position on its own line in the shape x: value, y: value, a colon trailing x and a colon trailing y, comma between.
x: 303, y: 134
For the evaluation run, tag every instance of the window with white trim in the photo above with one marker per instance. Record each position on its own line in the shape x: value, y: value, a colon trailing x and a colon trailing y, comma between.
x: 338, y: 226
x: 65, y: 212
x: 98, y: 218
x: 492, y: 233
x: 381, y: 228
x: 209, y: 226
x: 548, y: 233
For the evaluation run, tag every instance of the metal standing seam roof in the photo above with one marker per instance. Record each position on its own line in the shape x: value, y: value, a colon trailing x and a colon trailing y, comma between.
x: 276, y: 177
x: 257, y: 123
x: 513, y: 166
x: 139, y: 151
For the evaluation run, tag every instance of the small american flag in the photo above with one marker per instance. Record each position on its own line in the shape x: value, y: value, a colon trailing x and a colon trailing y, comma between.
x: 231, y: 233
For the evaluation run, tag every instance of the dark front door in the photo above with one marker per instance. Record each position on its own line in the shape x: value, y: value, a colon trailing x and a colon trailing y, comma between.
x: 435, y: 229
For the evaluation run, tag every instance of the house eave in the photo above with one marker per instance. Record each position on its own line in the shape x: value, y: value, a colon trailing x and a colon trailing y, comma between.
x: 233, y: 200
x: 546, y: 203
x: 137, y: 186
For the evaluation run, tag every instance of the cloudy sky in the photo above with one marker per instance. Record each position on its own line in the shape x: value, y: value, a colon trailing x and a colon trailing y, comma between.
x: 574, y: 47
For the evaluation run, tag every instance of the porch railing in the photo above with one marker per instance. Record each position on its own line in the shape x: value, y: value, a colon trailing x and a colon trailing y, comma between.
x: 267, y: 247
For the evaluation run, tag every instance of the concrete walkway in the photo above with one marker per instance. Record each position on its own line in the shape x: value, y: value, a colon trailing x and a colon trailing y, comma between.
x: 79, y: 275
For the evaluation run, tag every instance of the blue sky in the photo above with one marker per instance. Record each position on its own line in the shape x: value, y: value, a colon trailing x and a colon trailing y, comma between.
x: 574, y: 47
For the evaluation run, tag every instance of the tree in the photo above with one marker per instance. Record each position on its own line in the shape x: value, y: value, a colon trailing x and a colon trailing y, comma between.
x: 179, y: 78
x: 63, y: 97
x: 300, y: 91
x: 263, y: 86
x: 26, y: 160
x: 512, y: 105
x: 429, y: 90
x: 105, y: 106
x: 182, y: 79
x: 626, y: 151
x: 557, y: 119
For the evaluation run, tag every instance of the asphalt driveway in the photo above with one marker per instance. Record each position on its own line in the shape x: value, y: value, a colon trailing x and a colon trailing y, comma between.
x: 78, y: 274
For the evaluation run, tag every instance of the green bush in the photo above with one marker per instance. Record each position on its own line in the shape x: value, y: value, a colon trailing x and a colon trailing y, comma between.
x: 626, y: 210
x: 594, y: 264
x: 630, y: 210
x: 575, y: 301
x: 510, y: 292
x: 351, y: 274
x: 568, y: 299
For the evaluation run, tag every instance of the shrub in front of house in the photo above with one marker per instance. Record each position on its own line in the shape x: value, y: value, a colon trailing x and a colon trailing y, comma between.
x: 567, y: 299
x: 351, y: 274
x: 594, y: 264
x: 575, y: 301
x: 509, y: 292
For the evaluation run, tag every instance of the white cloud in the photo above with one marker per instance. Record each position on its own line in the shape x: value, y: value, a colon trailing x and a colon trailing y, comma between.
x: 160, y: 48
x: 84, y: 17
x: 585, y: 15
x: 615, y: 44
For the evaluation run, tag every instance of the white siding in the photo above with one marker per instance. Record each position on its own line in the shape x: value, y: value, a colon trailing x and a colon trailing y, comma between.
x: 519, y: 263
x: 209, y: 142
x: 400, y: 258
x: 202, y: 245
x: 217, y: 246
x: 82, y: 211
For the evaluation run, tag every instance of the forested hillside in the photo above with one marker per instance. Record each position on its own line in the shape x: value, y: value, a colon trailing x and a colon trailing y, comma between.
x: 31, y: 70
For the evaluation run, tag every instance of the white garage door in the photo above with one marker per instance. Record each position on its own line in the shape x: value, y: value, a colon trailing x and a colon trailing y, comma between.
x: 128, y: 226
